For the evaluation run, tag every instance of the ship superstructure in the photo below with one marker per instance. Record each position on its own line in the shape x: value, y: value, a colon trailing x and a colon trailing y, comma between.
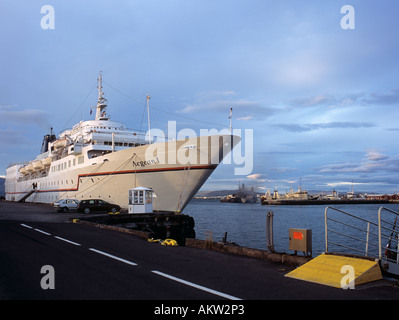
x: 103, y: 159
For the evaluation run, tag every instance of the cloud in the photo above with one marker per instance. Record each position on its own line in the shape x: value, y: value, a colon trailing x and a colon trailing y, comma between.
x: 344, y: 183
x: 391, y: 97
x: 243, y: 109
x: 245, y: 118
x: 223, y: 105
x: 23, y: 117
x: 255, y: 176
x: 13, y: 138
x: 349, y: 168
x: 293, y: 127
x: 320, y: 99
x: 372, y: 163
x: 374, y: 155
x: 346, y: 99
x: 283, y: 169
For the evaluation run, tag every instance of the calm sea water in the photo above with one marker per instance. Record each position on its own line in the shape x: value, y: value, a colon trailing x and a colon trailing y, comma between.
x: 245, y: 224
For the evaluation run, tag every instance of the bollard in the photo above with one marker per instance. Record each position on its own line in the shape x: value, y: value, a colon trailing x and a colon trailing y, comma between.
x: 225, y: 237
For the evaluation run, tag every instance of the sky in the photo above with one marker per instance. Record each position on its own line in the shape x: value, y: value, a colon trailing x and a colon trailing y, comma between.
x: 321, y: 100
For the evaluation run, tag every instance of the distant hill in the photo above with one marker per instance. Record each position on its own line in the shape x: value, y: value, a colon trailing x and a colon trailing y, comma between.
x: 218, y: 193
x: 2, y: 187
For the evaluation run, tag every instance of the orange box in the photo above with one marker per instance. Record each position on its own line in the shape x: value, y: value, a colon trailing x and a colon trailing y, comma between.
x: 300, y: 240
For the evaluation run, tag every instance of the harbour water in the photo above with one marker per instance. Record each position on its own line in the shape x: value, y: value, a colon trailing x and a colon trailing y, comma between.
x: 245, y: 224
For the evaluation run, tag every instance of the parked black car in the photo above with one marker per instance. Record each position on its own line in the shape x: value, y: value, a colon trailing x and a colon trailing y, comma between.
x: 96, y: 205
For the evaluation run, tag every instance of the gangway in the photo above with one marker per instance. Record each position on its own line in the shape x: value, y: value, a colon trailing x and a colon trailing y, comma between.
x: 375, y: 243
x: 27, y: 195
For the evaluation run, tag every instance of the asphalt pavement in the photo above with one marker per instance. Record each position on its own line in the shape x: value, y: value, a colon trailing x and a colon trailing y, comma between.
x: 44, y: 256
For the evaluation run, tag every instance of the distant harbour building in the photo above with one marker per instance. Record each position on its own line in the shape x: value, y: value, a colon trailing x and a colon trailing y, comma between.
x: 382, y: 196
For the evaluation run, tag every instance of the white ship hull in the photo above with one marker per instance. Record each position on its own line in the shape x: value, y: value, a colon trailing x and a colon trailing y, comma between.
x: 102, y: 159
x: 110, y: 176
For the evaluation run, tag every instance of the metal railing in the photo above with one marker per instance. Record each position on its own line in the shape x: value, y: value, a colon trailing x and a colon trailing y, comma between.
x: 351, y: 229
x: 382, y: 234
x: 388, y: 231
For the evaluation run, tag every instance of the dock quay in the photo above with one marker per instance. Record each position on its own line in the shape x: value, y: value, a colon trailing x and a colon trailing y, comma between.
x: 157, y: 225
x: 181, y: 228
x: 92, y: 260
x: 324, y: 202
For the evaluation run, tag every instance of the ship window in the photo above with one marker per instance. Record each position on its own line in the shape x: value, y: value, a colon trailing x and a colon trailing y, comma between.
x: 74, y: 162
x: 80, y: 160
x: 69, y: 163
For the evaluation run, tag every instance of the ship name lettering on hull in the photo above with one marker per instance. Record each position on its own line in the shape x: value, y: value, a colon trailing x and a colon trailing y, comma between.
x: 146, y: 162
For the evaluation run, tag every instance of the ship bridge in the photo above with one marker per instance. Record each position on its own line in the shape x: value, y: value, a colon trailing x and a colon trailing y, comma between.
x: 101, y: 134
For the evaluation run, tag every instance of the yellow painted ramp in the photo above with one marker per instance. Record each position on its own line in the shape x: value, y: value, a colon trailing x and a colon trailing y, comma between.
x: 330, y: 270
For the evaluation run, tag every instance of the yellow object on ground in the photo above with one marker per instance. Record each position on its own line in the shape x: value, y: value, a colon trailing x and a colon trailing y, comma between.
x: 338, y: 271
x: 166, y: 242
x: 169, y: 242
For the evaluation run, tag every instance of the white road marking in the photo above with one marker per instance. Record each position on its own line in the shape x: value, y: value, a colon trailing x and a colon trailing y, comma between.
x: 188, y: 283
x: 221, y: 294
x: 113, y: 257
x: 44, y: 232
x: 66, y: 240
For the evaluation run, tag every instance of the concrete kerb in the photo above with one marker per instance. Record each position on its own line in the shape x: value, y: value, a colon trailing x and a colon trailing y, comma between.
x: 282, y: 258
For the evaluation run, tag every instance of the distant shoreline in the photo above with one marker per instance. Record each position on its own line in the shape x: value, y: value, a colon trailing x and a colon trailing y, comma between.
x: 325, y: 202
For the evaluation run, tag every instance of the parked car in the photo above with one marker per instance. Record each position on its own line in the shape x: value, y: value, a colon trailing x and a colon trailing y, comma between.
x: 97, y: 205
x: 66, y: 205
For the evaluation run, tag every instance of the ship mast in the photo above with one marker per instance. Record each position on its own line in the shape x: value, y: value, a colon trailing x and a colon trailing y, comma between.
x: 230, y: 126
x: 148, y: 112
x: 100, y: 113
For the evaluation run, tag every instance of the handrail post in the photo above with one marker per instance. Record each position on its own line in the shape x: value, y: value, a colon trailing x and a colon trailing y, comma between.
x: 379, y: 234
x: 367, y: 238
x: 325, y: 227
x: 397, y: 253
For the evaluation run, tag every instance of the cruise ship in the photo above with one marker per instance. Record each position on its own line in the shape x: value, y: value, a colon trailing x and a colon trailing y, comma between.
x: 102, y: 159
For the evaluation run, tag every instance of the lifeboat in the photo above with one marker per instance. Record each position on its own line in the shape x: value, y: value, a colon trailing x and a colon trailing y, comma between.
x: 37, y: 165
x: 23, y: 170
x: 46, y: 162
x: 60, y: 144
x: 29, y: 168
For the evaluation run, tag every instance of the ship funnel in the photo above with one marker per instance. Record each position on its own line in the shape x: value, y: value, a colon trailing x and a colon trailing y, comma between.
x: 46, y: 140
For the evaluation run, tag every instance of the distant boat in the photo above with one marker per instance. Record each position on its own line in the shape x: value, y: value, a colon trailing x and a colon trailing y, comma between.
x: 243, y: 195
